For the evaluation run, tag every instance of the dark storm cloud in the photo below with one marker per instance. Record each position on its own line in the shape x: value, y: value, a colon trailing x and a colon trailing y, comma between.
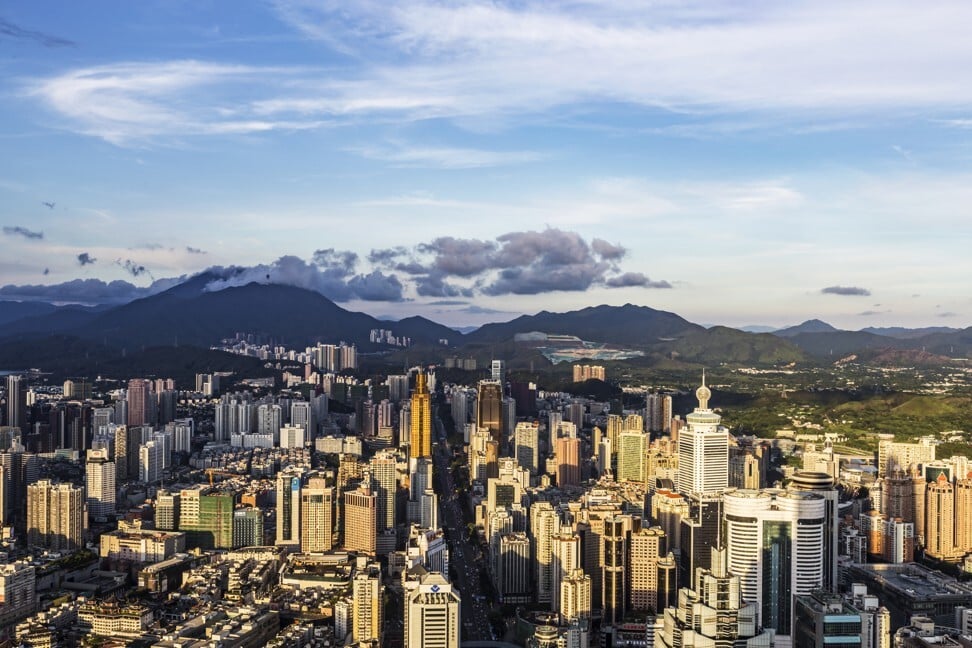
x: 635, y: 279
x: 85, y: 259
x: 386, y: 256
x: 336, y: 261
x: 460, y: 257
x: 333, y: 281
x: 377, y: 286
x: 435, y: 285
x: 10, y: 30
x: 852, y: 291
x: 17, y: 230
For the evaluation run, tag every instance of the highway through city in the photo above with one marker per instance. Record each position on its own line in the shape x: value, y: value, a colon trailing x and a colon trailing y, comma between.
x: 465, y: 557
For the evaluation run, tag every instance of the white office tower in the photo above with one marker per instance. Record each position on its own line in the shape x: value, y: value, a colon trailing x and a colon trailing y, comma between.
x: 150, y: 461
x: 527, y: 443
x: 775, y: 542
x: 99, y: 477
x: 420, y: 481
x: 288, y: 510
x: 181, y: 434
x: 292, y: 436
x: 432, y: 614
x: 712, y: 613
x: 430, y: 510
x: 703, y: 450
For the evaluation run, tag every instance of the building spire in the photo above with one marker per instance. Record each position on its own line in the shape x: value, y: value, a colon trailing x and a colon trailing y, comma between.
x: 703, y: 394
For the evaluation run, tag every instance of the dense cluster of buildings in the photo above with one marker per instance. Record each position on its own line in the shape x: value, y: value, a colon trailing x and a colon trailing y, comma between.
x: 295, y: 515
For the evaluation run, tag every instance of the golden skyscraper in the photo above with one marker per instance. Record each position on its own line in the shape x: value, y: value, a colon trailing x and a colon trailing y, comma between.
x: 421, y: 433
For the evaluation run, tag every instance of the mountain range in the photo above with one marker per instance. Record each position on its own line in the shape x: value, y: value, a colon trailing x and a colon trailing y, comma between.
x: 191, y: 315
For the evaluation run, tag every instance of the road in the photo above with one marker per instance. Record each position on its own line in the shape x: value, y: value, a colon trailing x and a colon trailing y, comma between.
x: 465, y: 557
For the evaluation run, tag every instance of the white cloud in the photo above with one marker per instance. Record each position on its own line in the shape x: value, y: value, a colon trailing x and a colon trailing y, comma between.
x: 406, y: 156
x: 799, y: 63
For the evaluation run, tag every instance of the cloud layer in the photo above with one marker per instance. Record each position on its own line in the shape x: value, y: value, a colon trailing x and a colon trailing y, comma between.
x: 847, y: 291
x: 22, y: 231
x: 500, y: 61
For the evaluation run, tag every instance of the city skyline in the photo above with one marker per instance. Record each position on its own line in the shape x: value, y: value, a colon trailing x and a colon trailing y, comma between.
x: 471, y: 162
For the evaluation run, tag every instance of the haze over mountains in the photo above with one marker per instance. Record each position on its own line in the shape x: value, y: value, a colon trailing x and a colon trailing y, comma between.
x: 189, y: 314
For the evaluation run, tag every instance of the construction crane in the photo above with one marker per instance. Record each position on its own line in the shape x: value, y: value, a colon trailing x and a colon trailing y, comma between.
x: 217, y: 471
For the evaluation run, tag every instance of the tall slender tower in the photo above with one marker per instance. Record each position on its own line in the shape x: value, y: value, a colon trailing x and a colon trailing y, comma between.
x: 489, y: 408
x: 288, y: 510
x: 703, y: 450
x: 421, y: 411
x: 16, y: 403
x: 384, y: 473
x: 138, y: 401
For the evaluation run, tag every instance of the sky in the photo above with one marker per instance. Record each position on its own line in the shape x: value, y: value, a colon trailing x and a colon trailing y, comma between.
x: 736, y: 163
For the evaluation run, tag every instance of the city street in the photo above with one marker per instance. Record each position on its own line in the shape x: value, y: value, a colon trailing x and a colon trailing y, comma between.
x: 465, y: 557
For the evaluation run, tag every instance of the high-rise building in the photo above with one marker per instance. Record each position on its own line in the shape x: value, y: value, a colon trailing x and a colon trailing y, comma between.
x: 489, y: 408
x: 567, y: 452
x: 420, y: 443
x: 898, y: 456
x: 316, y: 516
x: 498, y: 371
x: 360, y: 518
x: 432, y: 614
x: 940, y: 520
x: 55, y: 516
x: 139, y: 395
x: 614, y: 581
x: 631, y: 456
x: 99, y: 475
x: 565, y: 553
x: 167, y: 510
x: 247, y: 527
x: 575, y: 596
x: 20, y: 469
x: 963, y: 515
x: 544, y: 525
x: 513, y: 579
x: 302, y: 415
x: 703, y: 450
x: 824, y: 620
x: 16, y: 403
x: 775, y: 541
x: 384, y: 475
x: 150, y: 461
x: 527, y: 446
x: 206, y: 518
x: 18, y: 584
x: 647, y: 551
x: 366, y: 597
x: 713, y: 612
x: 288, y: 510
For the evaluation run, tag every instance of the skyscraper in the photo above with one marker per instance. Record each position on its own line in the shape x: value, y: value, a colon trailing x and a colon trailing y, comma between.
x: 99, y: 474
x: 567, y: 451
x: 712, y: 612
x: 316, y: 516
x: 631, y: 456
x: 775, y: 541
x: 384, y: 473
x: 360, y: 524
x: 16, y: 403
x: 432, y: 614
x: 527, y: 443
x: 703, y: 450
x: 55, y: 516
x: 288, y: 510
x: 139, y: 393
x: 614, y: 569
x: 420, y: 431
x: 489, y: 408
x: 940, y: 520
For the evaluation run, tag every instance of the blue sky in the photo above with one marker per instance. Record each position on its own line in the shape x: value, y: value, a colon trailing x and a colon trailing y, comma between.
x: 741, y: 163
